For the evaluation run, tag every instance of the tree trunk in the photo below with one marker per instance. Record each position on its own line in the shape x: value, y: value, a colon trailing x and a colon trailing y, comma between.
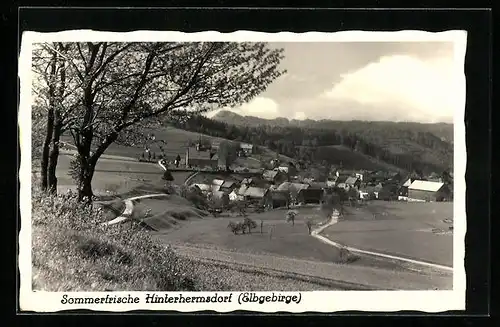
x: 85, y: 181
x: 46, y: 148
x: 54, y: 154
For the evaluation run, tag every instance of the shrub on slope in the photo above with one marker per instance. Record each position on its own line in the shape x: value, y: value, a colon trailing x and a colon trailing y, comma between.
x: 72, y: 251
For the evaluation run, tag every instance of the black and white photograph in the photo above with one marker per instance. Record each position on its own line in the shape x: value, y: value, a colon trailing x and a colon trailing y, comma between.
x: 242, y: 171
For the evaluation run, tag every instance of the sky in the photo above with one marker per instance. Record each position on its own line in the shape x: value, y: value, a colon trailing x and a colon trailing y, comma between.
x: 391, y: 81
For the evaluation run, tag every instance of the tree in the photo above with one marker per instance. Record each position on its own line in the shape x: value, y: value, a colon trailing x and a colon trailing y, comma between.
x: 290, y: 216
x: 251, y: 224
x: 309, y: 224
x: 122, y: 87
x: 228, y: 152
x: 53, y: 102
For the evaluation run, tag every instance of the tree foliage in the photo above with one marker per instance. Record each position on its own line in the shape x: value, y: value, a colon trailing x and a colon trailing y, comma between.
x: 113, y: 90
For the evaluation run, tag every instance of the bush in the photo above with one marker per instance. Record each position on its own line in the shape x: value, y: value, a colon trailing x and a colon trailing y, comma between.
x: 347, y: 256
x: 73, y: 251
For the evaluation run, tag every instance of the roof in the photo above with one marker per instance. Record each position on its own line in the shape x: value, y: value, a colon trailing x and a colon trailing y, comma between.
x: 271, y: 174
x: 407, y: 183
x: 203, y: 187
x: 242, y: 189
x: 351, y: 180
x: 246, y: 146
x: 218, y: 181
x: 318, y: 185
x: 286, y: 186
x: 255, y: 192
x: 197, y: 155
x: 228, y: 184
x: 425, y: 186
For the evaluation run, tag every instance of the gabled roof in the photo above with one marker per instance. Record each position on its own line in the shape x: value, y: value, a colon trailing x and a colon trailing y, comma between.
x: 286, y: 186
x: 218, y: 181
x: 203, y: 187
x: 351, y: 180
x: 407, y: 183
x: 270, y: 174
x: 228, y: 184
x: 255, y: 192
x: 425, y: 186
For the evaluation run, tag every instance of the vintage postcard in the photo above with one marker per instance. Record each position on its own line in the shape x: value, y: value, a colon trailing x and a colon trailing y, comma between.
x: 282, y: 172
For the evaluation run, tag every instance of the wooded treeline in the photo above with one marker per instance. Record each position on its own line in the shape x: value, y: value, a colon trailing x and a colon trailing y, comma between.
x: 406, y: 149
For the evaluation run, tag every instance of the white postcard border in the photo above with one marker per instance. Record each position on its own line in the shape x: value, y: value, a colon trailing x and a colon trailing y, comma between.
x: 316, y: 301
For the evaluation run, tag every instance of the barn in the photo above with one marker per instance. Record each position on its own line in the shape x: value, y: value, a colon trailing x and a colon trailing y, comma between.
x: 428, y: 191
x: 200, y: 159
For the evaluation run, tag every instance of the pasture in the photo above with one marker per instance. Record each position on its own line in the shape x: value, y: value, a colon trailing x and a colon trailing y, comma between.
x: 414, y: 230
x: 278, y: 237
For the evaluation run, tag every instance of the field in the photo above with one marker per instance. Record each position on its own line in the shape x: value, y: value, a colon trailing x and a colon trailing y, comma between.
x: 277, y: 238
x: 413, y: 230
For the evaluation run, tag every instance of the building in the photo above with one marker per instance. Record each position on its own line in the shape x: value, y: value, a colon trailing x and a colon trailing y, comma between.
x: 200, y: 159
x: 429, y: 191
x: 260, y: 194
x: 287, y: 187
x: 274, y: 176
x: 310, y: 195
x: 246, y: 148
x: 228, y: 186
x: 353, y: 181
x: 279, y: 199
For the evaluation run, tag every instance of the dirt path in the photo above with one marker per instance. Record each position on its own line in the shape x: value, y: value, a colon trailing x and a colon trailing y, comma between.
x: 362, y: 276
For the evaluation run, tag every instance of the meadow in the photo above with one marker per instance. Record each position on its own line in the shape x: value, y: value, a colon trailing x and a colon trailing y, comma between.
x: 418, y: 231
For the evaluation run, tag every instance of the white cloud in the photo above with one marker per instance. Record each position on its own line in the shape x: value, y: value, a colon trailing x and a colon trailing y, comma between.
x: 417, y: 89
x: 260, y: 107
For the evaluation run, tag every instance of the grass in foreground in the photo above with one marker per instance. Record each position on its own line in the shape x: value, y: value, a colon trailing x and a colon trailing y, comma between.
x: 72, y: 251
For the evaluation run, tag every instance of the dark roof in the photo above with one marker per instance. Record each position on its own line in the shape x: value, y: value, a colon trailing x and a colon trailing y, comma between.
x: 228, y: 184
x: 200, y: 155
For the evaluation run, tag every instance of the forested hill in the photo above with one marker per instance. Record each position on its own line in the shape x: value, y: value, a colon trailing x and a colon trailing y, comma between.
x: 442, y: 130
x: 390, y: 143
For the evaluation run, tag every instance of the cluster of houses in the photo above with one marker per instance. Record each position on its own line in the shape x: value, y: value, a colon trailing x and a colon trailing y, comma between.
x: 277, y: 188
x: 207, y: 158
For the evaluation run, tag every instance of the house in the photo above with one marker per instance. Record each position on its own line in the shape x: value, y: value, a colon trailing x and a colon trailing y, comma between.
x: 223, y: 197
x: 279, y: 199
x: 217, y: 181
x: 246, y: 148
x: 200, y: 159
x: 372, y: 192
x: 283, y: 169
x: 287, y: 187
x: 258, y: 193
x: 353, y: 181
x: 274, y: 176
x: 310, y: 195
x: 403, y: 190
x: 204, y: 188
x: 318, y: 185
x: 228, y: 186
x: 429, y: 191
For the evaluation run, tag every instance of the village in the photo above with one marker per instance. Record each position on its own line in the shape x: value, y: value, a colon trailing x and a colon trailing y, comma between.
x: 284, y: 184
